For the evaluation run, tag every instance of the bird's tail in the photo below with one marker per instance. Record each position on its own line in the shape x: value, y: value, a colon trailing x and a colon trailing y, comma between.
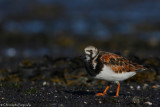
x: 140, y: 67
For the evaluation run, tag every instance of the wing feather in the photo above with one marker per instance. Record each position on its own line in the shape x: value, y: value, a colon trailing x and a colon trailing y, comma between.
x: 120, y: 64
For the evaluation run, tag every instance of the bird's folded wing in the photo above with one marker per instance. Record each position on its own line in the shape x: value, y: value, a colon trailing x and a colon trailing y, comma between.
x: 120, y: 64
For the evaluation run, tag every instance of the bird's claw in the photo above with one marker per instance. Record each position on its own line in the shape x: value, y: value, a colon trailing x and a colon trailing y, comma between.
x: 99, y: 94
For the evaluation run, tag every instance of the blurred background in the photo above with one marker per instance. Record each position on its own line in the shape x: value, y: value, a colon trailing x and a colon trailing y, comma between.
x: 31, y: 29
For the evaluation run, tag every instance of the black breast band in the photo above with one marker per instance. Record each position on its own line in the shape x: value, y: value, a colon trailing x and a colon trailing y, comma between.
x: 89, y: 66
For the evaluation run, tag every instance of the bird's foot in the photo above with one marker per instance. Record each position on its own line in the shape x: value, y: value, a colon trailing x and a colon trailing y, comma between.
x: 100, y: 94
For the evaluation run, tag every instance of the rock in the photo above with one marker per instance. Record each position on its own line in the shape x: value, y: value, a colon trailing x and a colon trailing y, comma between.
x: 100, y: 102
x: 2, y: 98
x: 128, y: 92
x: 87, y: 90
x: 110, y: 91
x: 138, y: 87
x: 156, y: 86
x: 61, y: 105
x: 65, y: 97
x: 85, y: 102
x: 145, y: 86
x: 45, y: 83
x: 136, y: 100
x: 131, y: 87
x: 148, y: 103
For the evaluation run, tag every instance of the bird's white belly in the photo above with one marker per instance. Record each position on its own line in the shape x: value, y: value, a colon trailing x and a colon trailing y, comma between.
x: 108, y: 74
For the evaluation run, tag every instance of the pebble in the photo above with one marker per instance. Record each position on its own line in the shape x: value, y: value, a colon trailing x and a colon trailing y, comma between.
x: 65, y: 97
x: 100, y: 102
x: 43, y: 88
x: 136, y: 100
x: 85, y: 102
x: 148, y: 103
x: 138, y: 87
x: 131, y: 87
x: 128, y: 92
x: 2, y: 98
x: 45, y: 83
x: 61, y: 105
x: 145, y: 86
x: 156, y: 86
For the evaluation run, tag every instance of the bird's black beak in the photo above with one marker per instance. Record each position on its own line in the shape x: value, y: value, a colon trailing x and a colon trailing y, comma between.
x: 82, y: 56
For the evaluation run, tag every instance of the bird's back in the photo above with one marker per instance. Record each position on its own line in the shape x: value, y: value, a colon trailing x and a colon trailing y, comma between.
x: 120, y: 64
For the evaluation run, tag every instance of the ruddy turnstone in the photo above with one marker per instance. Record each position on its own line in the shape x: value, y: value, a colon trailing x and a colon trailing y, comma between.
x: 109, y: 66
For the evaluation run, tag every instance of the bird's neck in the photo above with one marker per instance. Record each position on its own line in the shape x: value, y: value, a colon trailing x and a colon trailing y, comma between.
x: 93, y: 65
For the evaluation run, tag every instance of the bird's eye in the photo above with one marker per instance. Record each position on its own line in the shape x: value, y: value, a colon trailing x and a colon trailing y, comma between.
x: 89, y: 50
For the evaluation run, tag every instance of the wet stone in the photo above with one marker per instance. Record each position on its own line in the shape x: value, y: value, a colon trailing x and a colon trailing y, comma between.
x: 136, y: 100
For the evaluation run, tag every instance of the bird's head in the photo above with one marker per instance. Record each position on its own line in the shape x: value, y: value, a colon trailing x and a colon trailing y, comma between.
x: 90, y: 52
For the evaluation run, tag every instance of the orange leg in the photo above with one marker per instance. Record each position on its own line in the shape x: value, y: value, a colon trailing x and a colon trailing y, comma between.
x: 118, y: 86
x: 104, y: 92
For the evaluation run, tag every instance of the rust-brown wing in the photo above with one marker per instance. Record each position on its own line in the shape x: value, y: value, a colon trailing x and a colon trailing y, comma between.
x: 120, y: 64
